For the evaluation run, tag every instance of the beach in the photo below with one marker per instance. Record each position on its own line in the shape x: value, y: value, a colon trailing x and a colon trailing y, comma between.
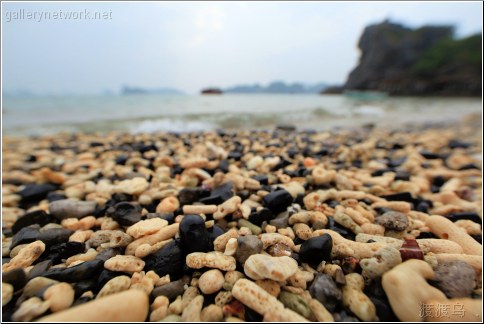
x: 286, y: 223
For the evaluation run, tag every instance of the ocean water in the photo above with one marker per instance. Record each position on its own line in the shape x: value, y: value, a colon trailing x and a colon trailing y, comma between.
x: 183, y: 113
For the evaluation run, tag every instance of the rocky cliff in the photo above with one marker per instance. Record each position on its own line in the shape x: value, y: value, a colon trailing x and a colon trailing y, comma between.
x: 423, y: 61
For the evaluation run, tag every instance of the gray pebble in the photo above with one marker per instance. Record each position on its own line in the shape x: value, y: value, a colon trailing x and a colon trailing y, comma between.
x: 325, y: 290
x: 246, y: 246
x: 68, y: 208
x: 281, y: 221
x: 171, y: 290
x: 393, y: 220
x: 455, y: 278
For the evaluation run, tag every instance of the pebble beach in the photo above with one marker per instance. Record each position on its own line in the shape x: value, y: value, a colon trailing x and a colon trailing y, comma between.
x: 374, y: 223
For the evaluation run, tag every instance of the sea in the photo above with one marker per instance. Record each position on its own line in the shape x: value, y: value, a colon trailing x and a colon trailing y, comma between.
x: 140, y: 113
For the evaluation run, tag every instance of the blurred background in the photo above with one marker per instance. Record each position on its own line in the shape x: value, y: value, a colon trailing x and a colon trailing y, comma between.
x: 189, y: 66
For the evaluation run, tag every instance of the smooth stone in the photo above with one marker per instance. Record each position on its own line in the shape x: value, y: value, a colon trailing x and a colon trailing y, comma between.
x: 84, y: 285
x: 316, y: 249
x: 168, y: 260
x: 26, y: 235
x: 108, y: 253
x: 258, y: 217
x: 214, y: 232
x: 16, y: 277
x: 69, y: 208
x: 295, y: 302
x: 36, y: 192
x: 262, y: 178
x: 83, y: 271
x: 188, y: 196
x: 455, y: 278
x: 39, y: 269
x: 193, y: 234
x: 383, y: 310
x: 281, y: 220
x: 171, y: 290
x: 325, y: 290
x: 453, y: 217
x: 54, y: 196
x: 247, y: 246
x: 54, y: 236
x: 400, y: 196
x: 126, y: 214
x: 39, y: 217
x: 105, y: 276
x: 277, y: 201
x: 61, y: 251
x: 453, y: 144
x: 393, y: 220
x: 219, y: 194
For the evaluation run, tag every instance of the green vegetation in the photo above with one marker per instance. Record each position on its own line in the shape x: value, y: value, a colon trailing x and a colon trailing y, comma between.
x: 451, y: 55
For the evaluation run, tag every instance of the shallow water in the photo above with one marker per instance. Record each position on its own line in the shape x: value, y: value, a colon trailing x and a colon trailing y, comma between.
x: 181, y: 113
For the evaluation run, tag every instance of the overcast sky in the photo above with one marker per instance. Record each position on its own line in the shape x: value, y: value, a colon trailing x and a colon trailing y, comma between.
x: 193, y: 45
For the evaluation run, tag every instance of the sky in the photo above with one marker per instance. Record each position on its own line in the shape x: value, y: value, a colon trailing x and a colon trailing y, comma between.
x: 193, y: 45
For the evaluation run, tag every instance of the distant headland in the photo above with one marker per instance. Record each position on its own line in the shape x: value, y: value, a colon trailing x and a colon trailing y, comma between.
x: 425, y: 61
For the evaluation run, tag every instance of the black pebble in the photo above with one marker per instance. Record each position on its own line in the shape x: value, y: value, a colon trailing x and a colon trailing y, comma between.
x: 258, y: 217
x: 262, y: 178
x: 16, y: 277
x: 39, y: 217
x: 61, y: 251
x: 193, y: 234
x: 104, y: 277
x: 316, y: 249
x: 54, y: 196
x: 36, y: 192
x: 464, y: 215
x: 251, y: 315
x: 168, y: 260
x: 39, y: 269
x: 83, y: 271
x: 214, y: 232
x: 125, y: 214
x: 83, y: 286
x: 277, y: 201
x: 219, y: 194
x: 401, y: 196
x: 188, y: 196
x: 54, y: 236
x: 453, y: 144
x: 107, y: 254
x: 27, y: 234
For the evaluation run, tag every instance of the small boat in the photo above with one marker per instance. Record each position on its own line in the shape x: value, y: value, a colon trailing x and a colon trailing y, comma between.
x: 365, y: 95
x: 212, y: 91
